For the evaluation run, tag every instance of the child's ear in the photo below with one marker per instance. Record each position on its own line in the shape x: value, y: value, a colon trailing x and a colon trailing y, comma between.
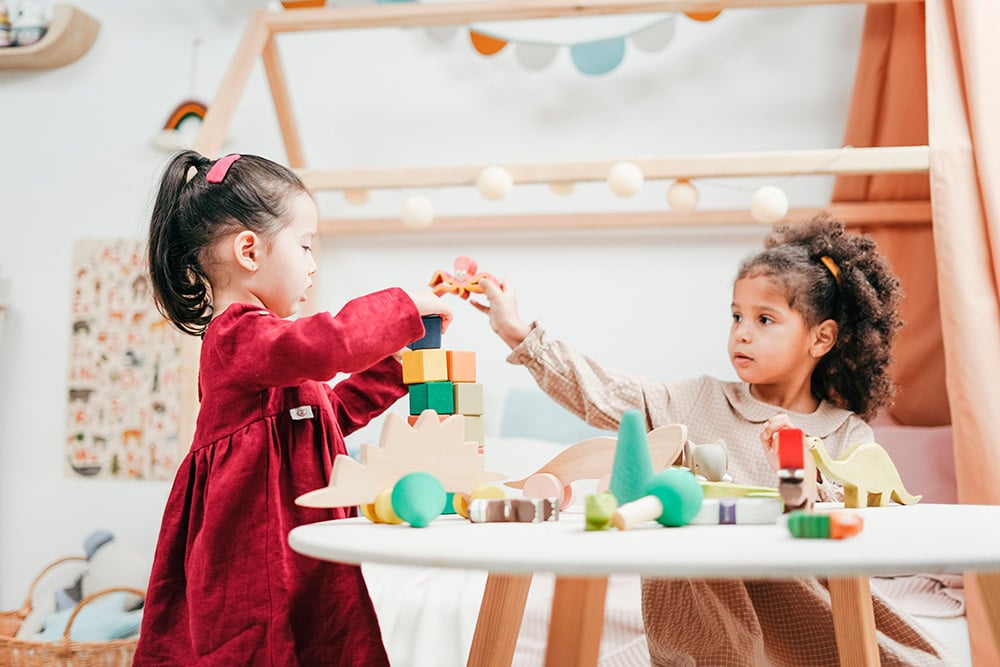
x: 824, y: 338
x: 246, y: 249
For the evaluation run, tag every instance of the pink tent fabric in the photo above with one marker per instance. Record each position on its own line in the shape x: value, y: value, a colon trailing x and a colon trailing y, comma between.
x: 964, y: 129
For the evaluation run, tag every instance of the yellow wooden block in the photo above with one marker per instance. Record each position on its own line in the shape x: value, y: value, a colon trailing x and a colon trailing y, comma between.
x: 429, y: 365
x: 461, y: 366
x: 468, y: 398
x: 474, y: 431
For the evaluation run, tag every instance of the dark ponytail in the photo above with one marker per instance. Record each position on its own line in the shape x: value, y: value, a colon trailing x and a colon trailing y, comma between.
x: 190, y: 215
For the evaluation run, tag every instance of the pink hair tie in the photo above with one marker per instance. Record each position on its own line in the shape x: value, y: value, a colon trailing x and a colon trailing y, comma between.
x: 221, y: 168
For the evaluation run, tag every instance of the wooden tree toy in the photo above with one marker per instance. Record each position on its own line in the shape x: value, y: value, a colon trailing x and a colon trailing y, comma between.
x: 673, y: 497
x: 633, y: 464
x: 868, y: 474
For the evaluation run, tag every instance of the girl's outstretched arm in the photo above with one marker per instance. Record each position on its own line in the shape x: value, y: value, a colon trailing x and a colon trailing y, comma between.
x: 358, y: 399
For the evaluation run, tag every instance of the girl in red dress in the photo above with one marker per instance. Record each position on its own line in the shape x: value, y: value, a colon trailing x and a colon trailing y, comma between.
x: 230, y: 258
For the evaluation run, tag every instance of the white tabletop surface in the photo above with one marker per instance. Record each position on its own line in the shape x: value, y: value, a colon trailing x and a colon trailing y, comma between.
x: 895, y: 540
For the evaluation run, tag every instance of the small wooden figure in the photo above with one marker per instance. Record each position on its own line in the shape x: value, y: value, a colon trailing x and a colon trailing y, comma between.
x: 673, y: 497
x: 463, y: 281
x: 832, y: 525
x: 796, y: 473
x: 868, y: 474
x: 708, y: 461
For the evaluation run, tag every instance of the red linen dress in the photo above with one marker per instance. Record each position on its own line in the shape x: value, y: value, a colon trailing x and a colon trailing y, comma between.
x: 226, y: 589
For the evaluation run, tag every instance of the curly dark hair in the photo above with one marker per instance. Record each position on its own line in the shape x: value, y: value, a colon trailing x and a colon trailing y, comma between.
x: 863, y: 299
x: 191, y: 214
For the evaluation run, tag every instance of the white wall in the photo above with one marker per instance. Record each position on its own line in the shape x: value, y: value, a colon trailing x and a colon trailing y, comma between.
x: 77, y: 163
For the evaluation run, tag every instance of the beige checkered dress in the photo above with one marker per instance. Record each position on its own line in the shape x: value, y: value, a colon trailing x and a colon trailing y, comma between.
x: 725, y: 622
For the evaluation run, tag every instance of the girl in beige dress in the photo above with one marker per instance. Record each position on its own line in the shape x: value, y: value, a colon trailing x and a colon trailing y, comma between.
x: 814, y: 315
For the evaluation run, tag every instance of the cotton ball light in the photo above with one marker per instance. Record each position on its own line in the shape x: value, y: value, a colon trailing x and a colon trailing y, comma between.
x: 769, y: 205
x: 494, y: 183
x: 357, y: 197
x: 562, y: 188
x: 682, y: 196
x: 625, y: 179
x: 417, y: 212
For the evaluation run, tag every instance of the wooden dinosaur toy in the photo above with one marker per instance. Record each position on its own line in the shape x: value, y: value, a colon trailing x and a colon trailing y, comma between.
x: 868, y: 474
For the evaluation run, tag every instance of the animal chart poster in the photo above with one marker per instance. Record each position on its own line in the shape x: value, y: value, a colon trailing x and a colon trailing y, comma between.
x: 124, y: 369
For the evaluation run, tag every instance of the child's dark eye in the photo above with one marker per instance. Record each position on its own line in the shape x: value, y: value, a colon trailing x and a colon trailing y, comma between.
x: 307, y: 248
x: 737, y: 317
x: 764, y: 319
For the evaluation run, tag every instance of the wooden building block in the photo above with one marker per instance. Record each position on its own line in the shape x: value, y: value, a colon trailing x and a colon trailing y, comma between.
x: 436, y: 396
x: 474, y: 431
x: 432, y: 334
x: 468, y: 398
x: 424, y: 366
x: 461, y: 366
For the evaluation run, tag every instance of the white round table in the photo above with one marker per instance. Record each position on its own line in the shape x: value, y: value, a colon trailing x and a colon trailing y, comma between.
x: 895, y: 540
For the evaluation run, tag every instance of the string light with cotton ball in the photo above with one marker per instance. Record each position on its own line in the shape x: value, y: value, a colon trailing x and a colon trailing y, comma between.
x: 494, y: 183
x: 682, y: 197
x: 417, y: 212
x: 769, y: 205
x: 625, y: 179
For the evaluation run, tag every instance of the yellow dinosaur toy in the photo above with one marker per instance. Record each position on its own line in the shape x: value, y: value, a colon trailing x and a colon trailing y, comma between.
x: 868, y: 474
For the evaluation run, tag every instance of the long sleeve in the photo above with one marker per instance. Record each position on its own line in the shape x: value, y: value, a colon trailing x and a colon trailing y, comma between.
x: 358, y: 399
x: 267, y: 351
x: 596, y: 394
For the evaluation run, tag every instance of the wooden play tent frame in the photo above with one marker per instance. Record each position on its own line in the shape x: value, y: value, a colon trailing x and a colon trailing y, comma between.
x: 504, y: 597
x: 259, y: 41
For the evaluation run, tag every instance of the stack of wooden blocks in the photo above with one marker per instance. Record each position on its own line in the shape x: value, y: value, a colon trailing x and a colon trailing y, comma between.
x: 443, y: 381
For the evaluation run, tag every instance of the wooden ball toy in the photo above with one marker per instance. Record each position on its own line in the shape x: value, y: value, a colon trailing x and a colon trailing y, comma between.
x: 417, y: 212
x: 673, y: 497
x: 547, y: 485
x: 383, y: 508
x: 769, y: 205
x: 367, y: 510
x: 625, y: 179
x: 682, y: 196
x: 460, y: 503
x: 494, y: 183
x: 418, y: 498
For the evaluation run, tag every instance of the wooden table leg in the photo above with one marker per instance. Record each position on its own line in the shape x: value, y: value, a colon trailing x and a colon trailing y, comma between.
x: 854, y: 621
x: 577, y: 621
x: 989, y: 586
x: 499, y: 620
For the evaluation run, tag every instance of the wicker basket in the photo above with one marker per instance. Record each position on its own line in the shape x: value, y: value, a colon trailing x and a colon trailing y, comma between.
x: 65, y: 652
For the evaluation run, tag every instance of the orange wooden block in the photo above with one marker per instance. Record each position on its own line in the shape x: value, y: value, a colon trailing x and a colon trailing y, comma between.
x: 430, y: 365
x: 461, y: 366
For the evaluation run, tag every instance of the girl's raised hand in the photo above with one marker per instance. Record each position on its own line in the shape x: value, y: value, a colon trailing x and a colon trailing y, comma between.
x: 429, y: 303
x: 767, y: 439
x: 502, y: 310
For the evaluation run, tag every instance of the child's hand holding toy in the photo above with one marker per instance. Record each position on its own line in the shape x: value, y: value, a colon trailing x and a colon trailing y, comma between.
x: 502, y: 310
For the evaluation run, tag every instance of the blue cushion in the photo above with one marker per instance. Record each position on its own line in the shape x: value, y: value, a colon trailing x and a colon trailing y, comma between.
x: 102, y: 619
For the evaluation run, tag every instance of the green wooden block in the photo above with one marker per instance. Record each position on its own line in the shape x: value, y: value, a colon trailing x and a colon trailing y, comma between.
x: 436, y: 396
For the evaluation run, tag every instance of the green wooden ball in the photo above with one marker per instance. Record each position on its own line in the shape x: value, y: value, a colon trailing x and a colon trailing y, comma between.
x: 418, y: 498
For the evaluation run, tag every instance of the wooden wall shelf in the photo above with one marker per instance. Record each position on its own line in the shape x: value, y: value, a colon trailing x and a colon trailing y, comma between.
x: 70, y: 35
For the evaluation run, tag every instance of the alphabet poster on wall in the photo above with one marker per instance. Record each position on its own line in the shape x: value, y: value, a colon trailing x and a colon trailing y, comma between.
x: 124, y: 369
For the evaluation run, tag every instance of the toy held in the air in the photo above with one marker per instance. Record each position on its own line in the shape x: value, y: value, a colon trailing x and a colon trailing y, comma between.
x: 673, y: 497
x: 868, y: 474
x: 465, y: 280
x: 824, y: 525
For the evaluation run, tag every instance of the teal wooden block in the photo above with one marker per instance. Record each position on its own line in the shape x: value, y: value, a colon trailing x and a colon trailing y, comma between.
x: 436, y: 396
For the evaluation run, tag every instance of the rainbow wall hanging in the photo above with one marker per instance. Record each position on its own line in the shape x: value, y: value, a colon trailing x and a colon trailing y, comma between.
x: 175, y: 134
